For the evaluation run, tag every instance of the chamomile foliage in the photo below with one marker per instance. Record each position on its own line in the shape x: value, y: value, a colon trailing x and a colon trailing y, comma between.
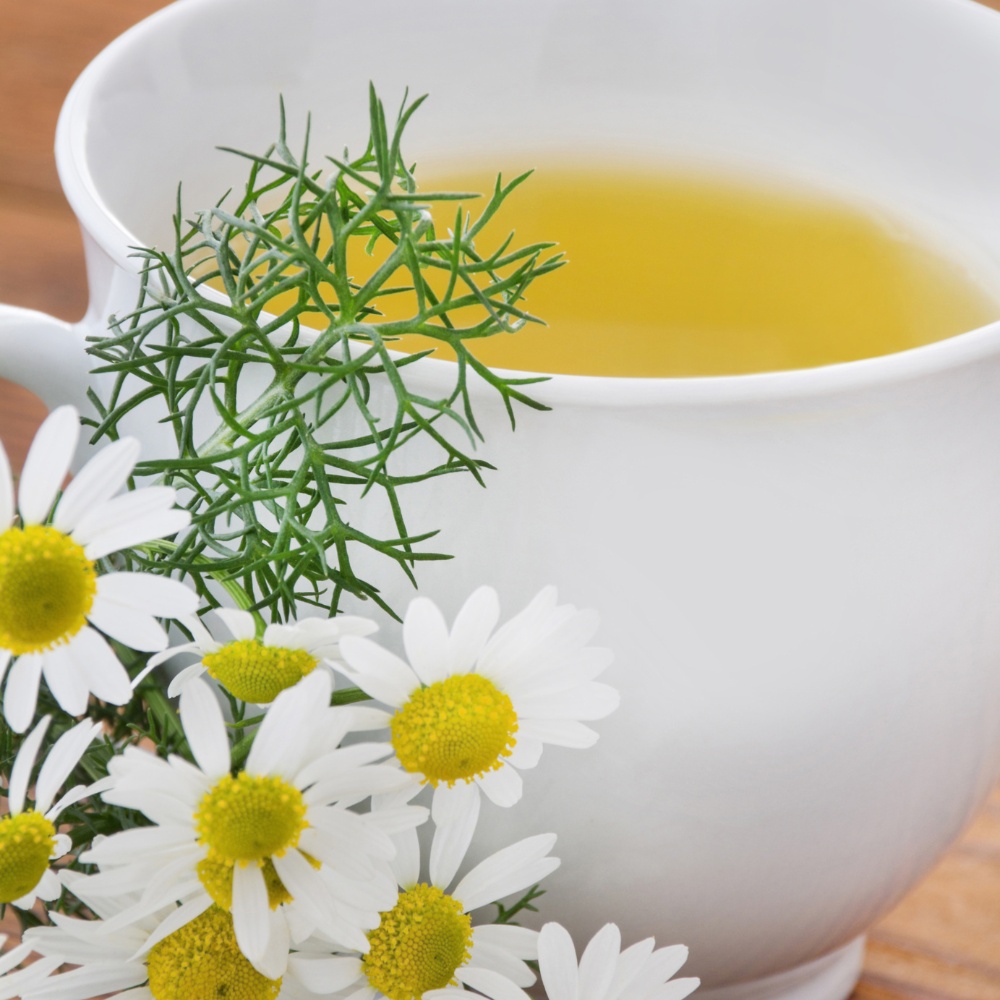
x: 301, y: 404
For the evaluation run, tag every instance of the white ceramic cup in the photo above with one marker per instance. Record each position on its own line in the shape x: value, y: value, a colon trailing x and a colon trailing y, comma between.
x: 799, y: 572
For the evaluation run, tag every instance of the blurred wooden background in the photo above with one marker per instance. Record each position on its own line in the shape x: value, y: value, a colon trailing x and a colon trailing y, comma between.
x: 941, y: 943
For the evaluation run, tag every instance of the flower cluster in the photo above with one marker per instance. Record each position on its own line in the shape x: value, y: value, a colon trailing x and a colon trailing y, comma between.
x: 295, y: 822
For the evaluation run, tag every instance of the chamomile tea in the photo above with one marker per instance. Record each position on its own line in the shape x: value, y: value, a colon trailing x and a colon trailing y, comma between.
x: 674, y: 273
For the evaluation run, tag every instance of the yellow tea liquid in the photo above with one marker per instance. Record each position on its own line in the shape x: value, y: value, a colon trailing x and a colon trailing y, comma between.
x: 683, y: 274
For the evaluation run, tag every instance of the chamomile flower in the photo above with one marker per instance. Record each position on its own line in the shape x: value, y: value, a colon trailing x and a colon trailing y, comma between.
x: 53, y: 597
x: 473, y: 708
x: 28, y: 837
x: 604, y: 972
x: 427, y: 940
x: 607, y: 973
x: 258, y: 670
x: 277, y: 844
x: 165, y: 954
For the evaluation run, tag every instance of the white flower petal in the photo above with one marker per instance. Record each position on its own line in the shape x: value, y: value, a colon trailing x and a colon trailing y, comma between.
x: 21, y: 694
x: 592, y: 700
x: 325, y: 974
x: 522, y: 942
x: 14, y: 985
x: 205, y: 728
x: 283, y: 738
x: 447, y: 993
x: 135, y: 532
x: 526, y: 753
x: 178, y: 683
x: 491, y: 984
x: 365, y: 993
x: 168, y: 654
x: 135, y: 507
x: 394, y: 821
x: 302, y: 880
x: 240, y: 623
x: 557, y: 963
x: 135, y: 629
x: 139, y: 770
x: 342, y: 762
x: 425, y: 638
x: 509, y: 641
x: 558, y: 640
x: 24, y: 763
x: 486, y: 955
x: 509, y: 870
x: 659, y: 967
x: 346, y: 839
x: 376, y: 671
x: 47, y: 463
x: 12, y: 958
x: 137, y: 842
x: 473, y: 625
x: 76, y: 794
x: 60, y: 761
x: 288, y: 637
x: 6, y: 491
x: 156, y: 595
x: 363, y: 718
x: 455, y: 812
x: 62, y: 844
x: 376, y: 894
x: 102, y: 477
x: 49, y: 886
x: 250, y: 911
x: 354, y: 785
x: 160, y: 808
x: 597, y: 964
x: 274, y: 962
x: 406, y: 864
x: 104, y: 979
x: 503, y: 787
x: 558, y: 732
x: 184, y: 914
x: 676, y: 989
x: 66, y: 679
x: 104, y: 674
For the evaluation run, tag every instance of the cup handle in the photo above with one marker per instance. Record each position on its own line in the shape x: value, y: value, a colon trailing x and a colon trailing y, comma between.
x: 45, y: 355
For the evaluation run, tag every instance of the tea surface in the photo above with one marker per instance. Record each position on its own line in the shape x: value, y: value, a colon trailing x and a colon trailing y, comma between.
x: 683, y: 274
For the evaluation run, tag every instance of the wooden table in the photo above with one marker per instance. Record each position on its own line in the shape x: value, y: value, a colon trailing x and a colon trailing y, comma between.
x: 941, y: 943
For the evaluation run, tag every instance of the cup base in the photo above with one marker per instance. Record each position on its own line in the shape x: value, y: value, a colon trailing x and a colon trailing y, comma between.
x: 831, y: 977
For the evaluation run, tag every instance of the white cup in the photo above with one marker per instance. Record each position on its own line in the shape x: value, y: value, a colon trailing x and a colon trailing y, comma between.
x: 799, y: 572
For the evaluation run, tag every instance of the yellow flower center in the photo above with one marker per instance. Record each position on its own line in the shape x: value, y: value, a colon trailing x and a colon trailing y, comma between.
x: 454, y: 730
x: 47, y: 587
x: 248, y: 818
x: 202, y: 961
x: 418, y: 945
x: 257, y: 673
x: 27, y: 841
x: 217, y: 878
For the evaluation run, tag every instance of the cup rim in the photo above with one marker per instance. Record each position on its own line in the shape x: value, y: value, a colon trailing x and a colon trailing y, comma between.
x: 110, y: 233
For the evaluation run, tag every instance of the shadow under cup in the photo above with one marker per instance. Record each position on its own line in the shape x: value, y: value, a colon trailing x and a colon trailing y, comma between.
x: 799, y: 572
